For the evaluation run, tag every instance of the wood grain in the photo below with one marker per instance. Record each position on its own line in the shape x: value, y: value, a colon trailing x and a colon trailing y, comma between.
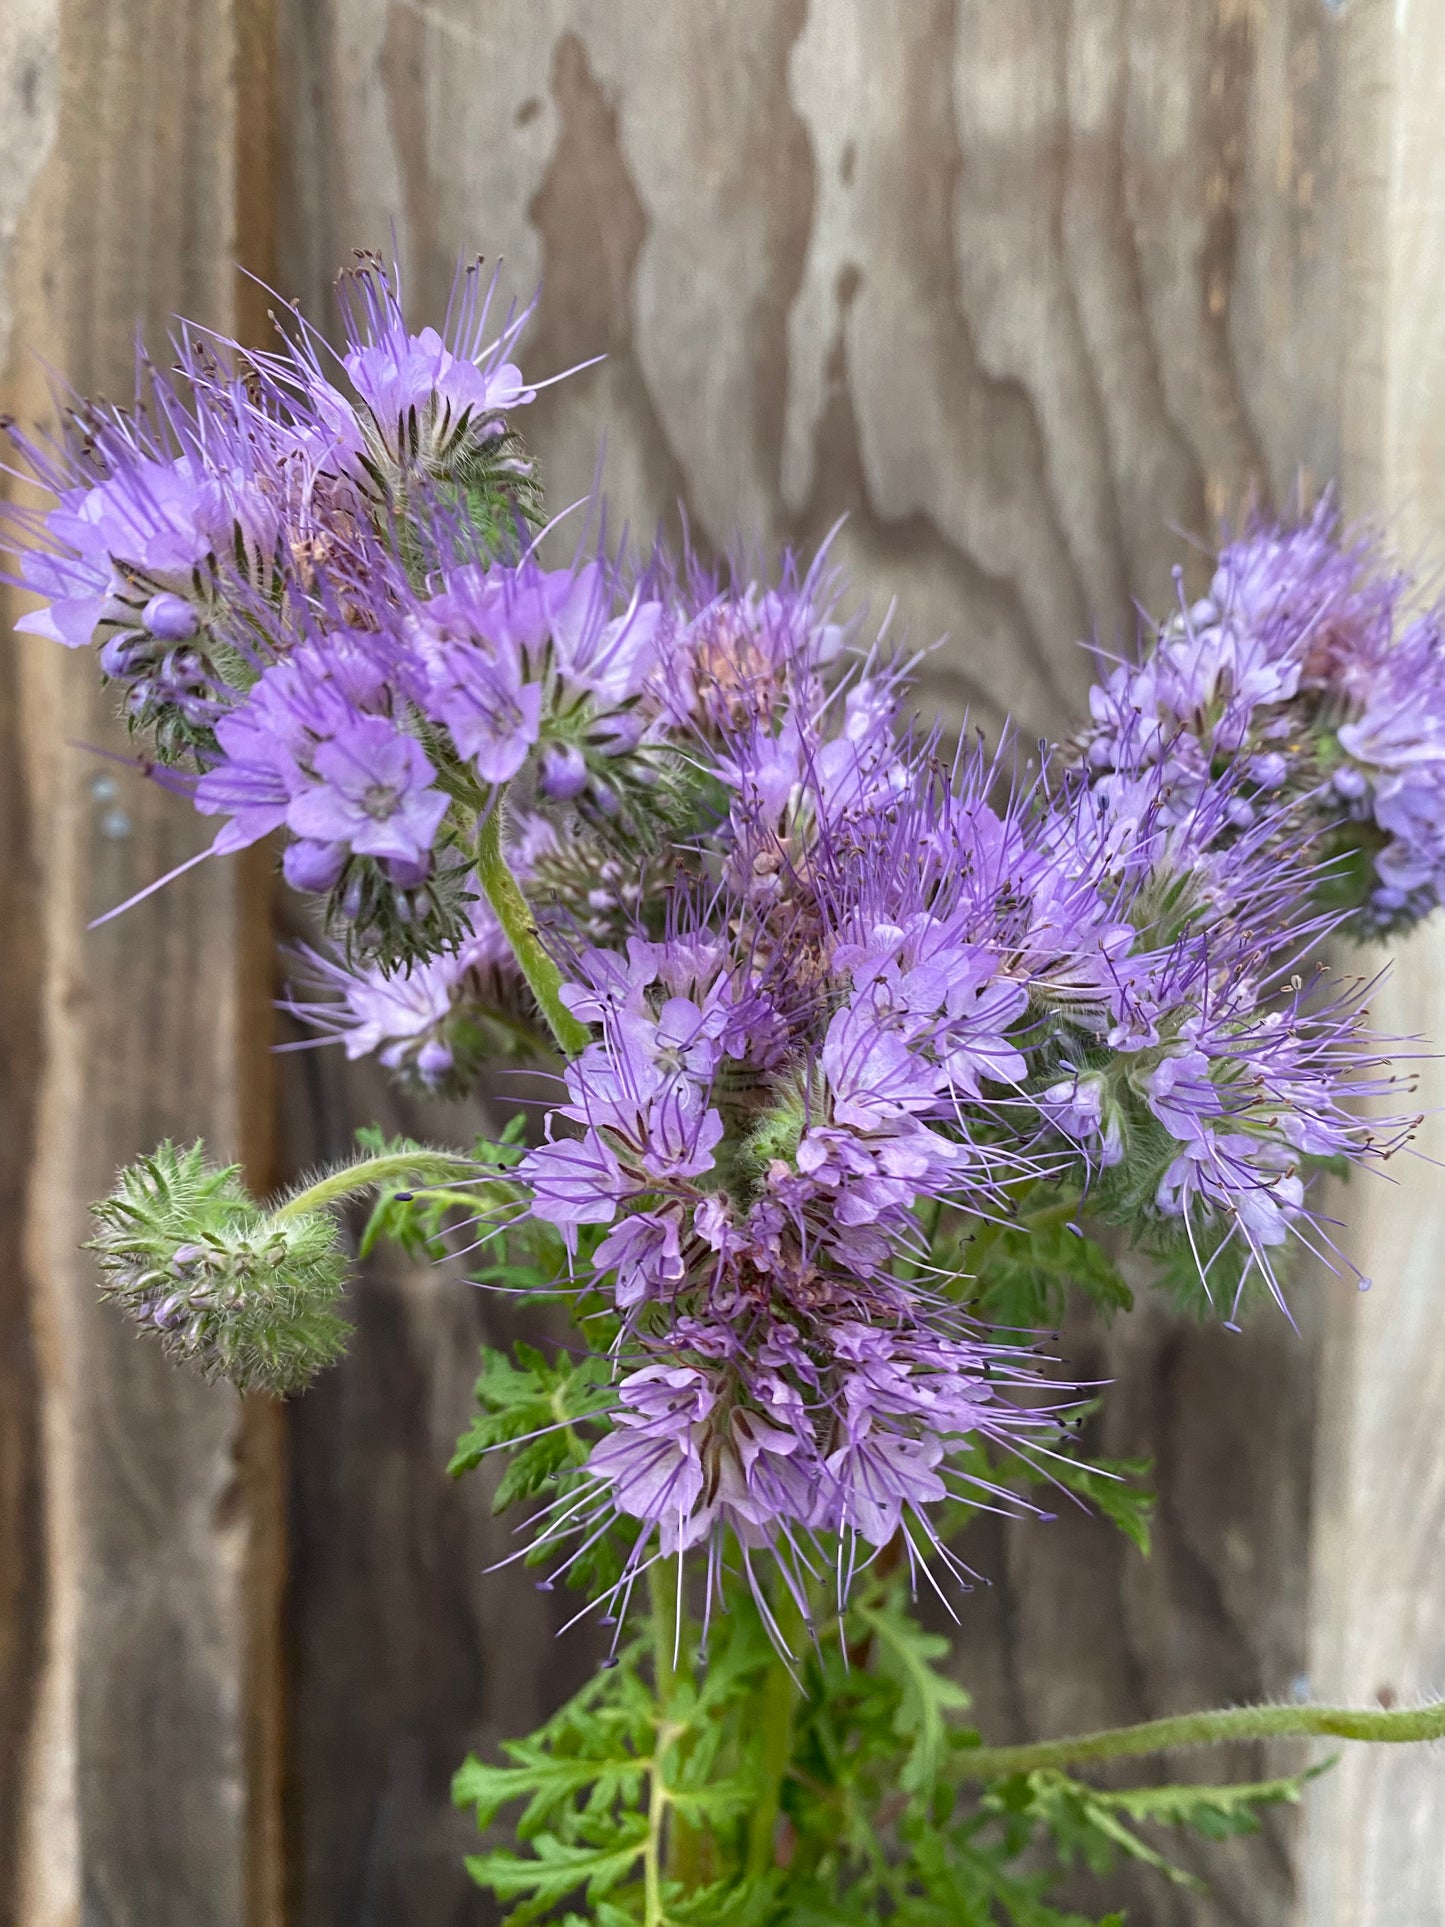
x: 1026, y: 287
x: 407, y: 1651
x: 1378, y: 1612
x: 145, y: 1561
x: 27, y: 63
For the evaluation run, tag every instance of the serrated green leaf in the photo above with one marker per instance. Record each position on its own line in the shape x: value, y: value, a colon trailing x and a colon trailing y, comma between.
x: 1213, y: 1811
x: 525, y: 1396
x: 1097, y: 1825
x: 556, y: 1868
x: 534, y: 1468
x: 731, y: 1903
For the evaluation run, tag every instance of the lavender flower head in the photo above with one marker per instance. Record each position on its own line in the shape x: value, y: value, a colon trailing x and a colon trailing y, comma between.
x: 429, y: 406
x: 1310, y: 668
x: 160, y: 513
x: 825, y: 995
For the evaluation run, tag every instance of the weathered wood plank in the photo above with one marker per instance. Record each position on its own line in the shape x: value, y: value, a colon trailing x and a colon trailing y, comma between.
x: 1018, y: 284
x: 146, y: 1787
x: 1373, y: 1854
x: 27, y: 62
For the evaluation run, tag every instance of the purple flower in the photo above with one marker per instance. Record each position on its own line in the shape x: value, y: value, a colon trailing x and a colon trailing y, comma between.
x: 563, y: 773
x: 1182, y: 1095
x: 741, y: 653
x: 799, y: 1441
x: 607, y: 655
x: 314, y: 867
x: 373, y: 792
x: 435, y: 1024
x: 574, y: 1181
x: 646, y: 1254
x: 493, y: 718
x: 167, y: 497
x: 170, y: 618
x: 1258, y: 1185
x: 401, y: 373
x: 269, y: 741
x: 1293, y: 667
x: 429, y: 404
x: 652, y: 1459
x: 505, y: 655
x: 873, y: 1077
x: 877, y: 1475
x: 153, y: 520
x: 263, y: 745
x: 1077, y: 1106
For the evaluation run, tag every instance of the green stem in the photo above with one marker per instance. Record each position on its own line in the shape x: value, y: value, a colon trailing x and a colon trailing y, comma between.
x: 662, y: 1591
x: 1205, y: 1729
x: 780, y: 1696
x: 670, y: 1840
x: 367, y: 1173
x: 652, y: 1912
x: 515, y: 916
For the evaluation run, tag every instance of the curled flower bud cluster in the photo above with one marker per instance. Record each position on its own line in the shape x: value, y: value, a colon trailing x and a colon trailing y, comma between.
x: 236, y: 547
x: 1309, y: 669
x: 246, y: 1295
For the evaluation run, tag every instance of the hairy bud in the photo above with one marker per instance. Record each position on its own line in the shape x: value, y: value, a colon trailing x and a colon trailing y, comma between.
x: 246, y: 1294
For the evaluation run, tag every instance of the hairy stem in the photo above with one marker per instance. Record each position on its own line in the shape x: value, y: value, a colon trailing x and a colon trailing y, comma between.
x: 780, y: 1695
x: 367, y: 1173
x: 1205, y: 1729
x: 515, y: 916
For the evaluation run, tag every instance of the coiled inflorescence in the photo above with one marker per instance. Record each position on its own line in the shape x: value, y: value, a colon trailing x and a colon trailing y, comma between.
x: 247, y: 1295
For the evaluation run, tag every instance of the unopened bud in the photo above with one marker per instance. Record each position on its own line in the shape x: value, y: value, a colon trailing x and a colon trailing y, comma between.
x: 563, y: 774
x: 170, y: 618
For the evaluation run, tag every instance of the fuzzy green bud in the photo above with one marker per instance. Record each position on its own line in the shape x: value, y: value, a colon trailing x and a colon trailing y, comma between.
x: 779, y: 1131
x: 771, y: 1135
x: 246, y: 1294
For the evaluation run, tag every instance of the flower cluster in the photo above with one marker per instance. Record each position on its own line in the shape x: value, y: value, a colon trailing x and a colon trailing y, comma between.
x: 822, y: 986
x: 233, y: 544
x: 1309, y: 670
x: 899, y: 997
x: 757, y: 1162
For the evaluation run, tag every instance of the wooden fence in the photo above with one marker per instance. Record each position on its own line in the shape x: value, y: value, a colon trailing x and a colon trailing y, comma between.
x: 1021, y: 285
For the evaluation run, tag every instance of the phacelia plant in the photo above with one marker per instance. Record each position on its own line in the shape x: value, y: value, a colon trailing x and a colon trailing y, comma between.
x: 869, y: 1050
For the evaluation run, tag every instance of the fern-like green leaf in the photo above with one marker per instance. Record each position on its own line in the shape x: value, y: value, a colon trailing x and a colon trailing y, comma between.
x: 906, y: 1653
